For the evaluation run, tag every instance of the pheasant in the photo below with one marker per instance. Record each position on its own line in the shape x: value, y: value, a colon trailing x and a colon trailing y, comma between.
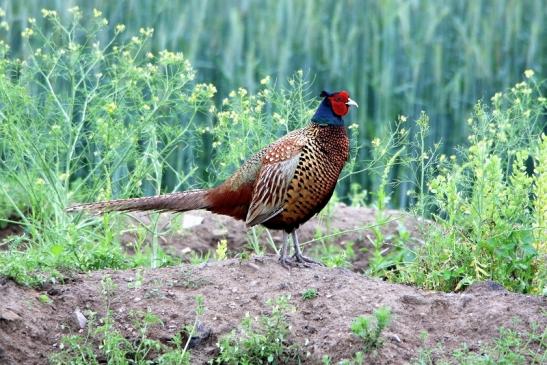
x: 280, y: 187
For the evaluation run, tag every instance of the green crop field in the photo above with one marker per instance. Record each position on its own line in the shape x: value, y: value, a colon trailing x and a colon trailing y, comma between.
x: 104, y: 100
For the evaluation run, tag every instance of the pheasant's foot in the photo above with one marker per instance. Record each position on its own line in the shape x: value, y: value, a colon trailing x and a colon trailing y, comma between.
x: 298, y: 257
x: 288, y: 262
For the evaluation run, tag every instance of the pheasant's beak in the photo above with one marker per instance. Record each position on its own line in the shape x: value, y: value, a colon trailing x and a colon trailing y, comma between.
x: 352, y: 103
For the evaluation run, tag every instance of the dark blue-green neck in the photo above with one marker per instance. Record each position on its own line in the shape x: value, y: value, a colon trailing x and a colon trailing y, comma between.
x: 325, y: 115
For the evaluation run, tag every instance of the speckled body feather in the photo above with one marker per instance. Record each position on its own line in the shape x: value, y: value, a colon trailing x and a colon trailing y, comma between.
x: 288, y: 182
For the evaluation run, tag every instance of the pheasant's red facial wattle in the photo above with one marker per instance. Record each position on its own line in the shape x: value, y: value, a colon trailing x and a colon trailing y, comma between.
x: 339, y: 103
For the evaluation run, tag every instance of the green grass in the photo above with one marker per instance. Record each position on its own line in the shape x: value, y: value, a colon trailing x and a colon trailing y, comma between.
x: 369, y: 328
x: 395, y: 57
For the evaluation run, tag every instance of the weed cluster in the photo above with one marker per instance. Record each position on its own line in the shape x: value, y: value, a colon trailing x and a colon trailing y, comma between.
x: 309, y: 294
x: 369, y: 330
x: 510, y: 347
x: 103, y: 341
x: 83, y: 117
x: 260, y: 341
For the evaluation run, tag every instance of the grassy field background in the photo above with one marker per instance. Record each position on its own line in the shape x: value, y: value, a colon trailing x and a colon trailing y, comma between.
x: 395, y: 57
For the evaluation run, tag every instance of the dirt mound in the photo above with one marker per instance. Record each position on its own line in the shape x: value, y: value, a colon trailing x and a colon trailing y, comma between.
x: 342, y: 225
x: 31, y: 328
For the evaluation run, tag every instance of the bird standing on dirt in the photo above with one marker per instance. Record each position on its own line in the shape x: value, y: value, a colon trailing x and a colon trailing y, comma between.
x: 280, y: 187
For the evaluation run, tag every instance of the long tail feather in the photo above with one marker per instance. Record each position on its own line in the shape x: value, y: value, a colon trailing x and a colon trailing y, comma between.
x: 178, y: 202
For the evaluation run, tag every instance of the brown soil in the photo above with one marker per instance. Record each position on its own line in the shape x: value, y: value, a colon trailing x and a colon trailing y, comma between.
x: 30, y: 329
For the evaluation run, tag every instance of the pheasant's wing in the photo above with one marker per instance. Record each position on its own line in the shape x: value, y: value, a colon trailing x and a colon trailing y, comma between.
x: 278, y: 168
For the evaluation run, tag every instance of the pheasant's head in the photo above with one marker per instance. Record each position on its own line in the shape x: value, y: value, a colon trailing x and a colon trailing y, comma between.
x: 333, y: 107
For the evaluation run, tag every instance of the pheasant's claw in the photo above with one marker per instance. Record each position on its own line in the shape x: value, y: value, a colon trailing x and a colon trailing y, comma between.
x: 306, y: 260
x: 288, y: 262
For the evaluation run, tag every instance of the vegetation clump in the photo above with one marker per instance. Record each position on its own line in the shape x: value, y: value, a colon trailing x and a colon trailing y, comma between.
x: 260, y: 341
x: 488, y: 202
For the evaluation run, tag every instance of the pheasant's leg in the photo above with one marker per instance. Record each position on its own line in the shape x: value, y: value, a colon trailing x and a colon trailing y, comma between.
x: 298, y: 253
x: 283, y: 258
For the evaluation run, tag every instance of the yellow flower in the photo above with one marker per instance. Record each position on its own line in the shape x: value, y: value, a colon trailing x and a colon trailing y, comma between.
x: 375, y: 142
x: 27, y: 33
x: 97, y: 13
x: 402, y: 118
x: 111, y: 107
x: 146, y: 32
x: 48, y: 13
x: 265, y: 80
x: 529, y: 73
x: 496, y: 97
x: 120, y: 28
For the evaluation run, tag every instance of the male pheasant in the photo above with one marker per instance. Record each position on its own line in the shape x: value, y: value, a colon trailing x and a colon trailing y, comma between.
x: 280, y: 187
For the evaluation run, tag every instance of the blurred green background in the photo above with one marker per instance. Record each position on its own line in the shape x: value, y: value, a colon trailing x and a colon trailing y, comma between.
x: 395, y: 57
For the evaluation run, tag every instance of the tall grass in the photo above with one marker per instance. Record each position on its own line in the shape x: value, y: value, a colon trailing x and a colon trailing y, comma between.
x: 86, y: 119
x: 396, y: 57
x: 89, y: 114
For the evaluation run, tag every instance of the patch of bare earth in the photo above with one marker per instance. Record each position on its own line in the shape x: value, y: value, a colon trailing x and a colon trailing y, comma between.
x: 12, y: 229
x: 30, y: 329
